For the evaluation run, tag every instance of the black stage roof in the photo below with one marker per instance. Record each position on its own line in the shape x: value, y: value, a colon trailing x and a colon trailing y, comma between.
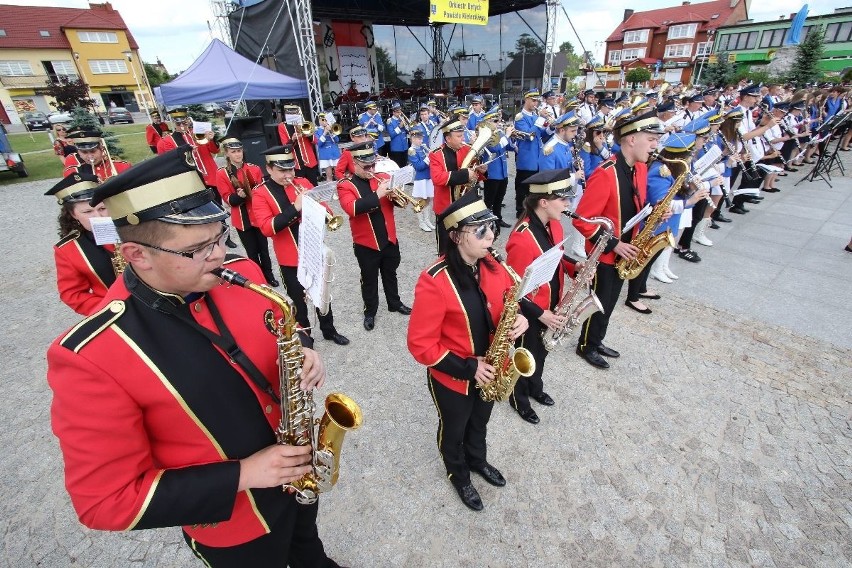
x: 401, y: 12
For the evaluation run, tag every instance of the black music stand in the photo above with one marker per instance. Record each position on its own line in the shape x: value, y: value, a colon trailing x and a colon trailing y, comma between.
x: 834, y: 128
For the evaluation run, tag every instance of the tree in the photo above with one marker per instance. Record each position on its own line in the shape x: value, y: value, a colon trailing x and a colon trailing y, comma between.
x: 637, y: 75
x: 566, y: 47
x: 720, y: 73
x: 388, y: 73
x: 526, y: 44
x: 82, y: 119
x: 156, y: 75
x: 755, y: 76
x: 805, y: 68
x: 69, y: 93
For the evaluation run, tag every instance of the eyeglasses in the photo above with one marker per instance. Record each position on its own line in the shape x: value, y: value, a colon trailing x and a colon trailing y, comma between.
x: 481, y: 230
x: 201, y: 253
x: 61, y: 130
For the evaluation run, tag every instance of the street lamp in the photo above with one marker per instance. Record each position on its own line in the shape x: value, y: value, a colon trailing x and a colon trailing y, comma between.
x: 129, y: 56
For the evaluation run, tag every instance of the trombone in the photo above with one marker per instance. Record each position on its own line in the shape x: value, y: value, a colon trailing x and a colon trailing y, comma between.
x: 402, y: 199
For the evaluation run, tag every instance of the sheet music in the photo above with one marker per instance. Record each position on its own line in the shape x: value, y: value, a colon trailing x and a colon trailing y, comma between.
x: 769, y: 168
x: 713, y: 155
x: 104, y: 231
x: 324, y: 191
x: 293, y: 118
x: 541, y: 270
x: 312, y: 250
x: 402, y: 176
x: 386, y: 165
x: 636, y: 219
x: 202, y: 127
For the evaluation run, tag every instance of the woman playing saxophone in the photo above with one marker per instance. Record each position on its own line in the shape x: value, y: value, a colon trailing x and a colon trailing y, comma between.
x: 458, y: 302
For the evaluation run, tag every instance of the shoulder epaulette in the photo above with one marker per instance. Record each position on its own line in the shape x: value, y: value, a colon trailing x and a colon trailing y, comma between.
x: 436, y: 268
x: 412, y: 151
x: 587, y: 147
x: 438, y: 149
x: 608, y: 164
x: 73, y: 235
x: 233, y: 257
x: 548, y: 148
x: 89, y: 328
x: 523, y: 227
x: 519, y: 116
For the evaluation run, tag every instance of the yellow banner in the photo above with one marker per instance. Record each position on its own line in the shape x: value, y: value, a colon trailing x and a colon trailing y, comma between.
x: 473, y: 12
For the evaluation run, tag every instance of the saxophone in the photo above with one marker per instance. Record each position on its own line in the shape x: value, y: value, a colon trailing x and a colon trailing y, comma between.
x: 471, y: 160
x: 573, y: 304
x: 648, y: 243
x: 296, y: 427
x: 509, y: 363
x: 119, y: 263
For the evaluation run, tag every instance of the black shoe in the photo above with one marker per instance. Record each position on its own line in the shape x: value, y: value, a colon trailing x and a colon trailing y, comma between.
x: 771, y: 190
x: 607, y: 352
x: 529, y: 415
x: 630, y: 305
x: 689, y: 255
x: 470, y: 497
x: 544, y: 399
x: 491, y: 474
x: 738, y: 209
x: 593, y: 358
x: 231, y: 244
x: 402, y: 309
x: 369, y: 322
x: 273, y: 282
x: 722, y: 219
x: 503, y: 224
x: 791, y: 169
x: 713, y: 224
x: 337, y: 338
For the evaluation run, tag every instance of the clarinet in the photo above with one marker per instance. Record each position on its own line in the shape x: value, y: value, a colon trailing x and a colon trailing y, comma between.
x: 577, y: 160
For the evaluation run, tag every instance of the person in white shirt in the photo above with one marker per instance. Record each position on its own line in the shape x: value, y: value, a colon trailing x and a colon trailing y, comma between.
x: 588, y: 109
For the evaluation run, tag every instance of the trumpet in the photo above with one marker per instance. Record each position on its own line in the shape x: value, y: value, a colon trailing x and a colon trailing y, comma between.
x: 332, y: 222
x: 521, y: 135
x: 402, y: 199
x: 336, y: 129
x: 306, y: 129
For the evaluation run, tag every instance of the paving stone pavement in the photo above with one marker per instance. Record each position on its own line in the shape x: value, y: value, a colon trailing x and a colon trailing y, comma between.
x: 721, y: 437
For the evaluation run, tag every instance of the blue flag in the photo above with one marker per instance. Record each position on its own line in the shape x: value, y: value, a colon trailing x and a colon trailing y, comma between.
x: 794, y: 37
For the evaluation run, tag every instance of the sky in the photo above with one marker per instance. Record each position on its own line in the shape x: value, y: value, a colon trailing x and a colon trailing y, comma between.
x: 178, y: 31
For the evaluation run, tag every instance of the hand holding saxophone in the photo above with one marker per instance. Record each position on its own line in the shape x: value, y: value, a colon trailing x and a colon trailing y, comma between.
x: 626, y: 250
x: 274, y: 466
x: 484, y: 372
x: 519, y: 327
x: 552, y: 320
x: 313, y: 370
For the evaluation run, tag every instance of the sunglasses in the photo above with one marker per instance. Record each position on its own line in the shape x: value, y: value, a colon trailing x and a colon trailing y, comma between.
x: 482, y: 229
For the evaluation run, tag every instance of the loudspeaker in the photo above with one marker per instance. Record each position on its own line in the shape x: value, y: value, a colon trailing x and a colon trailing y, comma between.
x: 249, y: 130
x: 272, y: 138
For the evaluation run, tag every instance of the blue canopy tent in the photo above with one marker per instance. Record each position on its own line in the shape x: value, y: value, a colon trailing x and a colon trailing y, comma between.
x: 222, y: 74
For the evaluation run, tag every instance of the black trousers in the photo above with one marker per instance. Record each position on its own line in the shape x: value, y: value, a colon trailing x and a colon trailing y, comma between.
x: 257, y: 249
x: 293, y: 541
x: 153, y: 149
x: 462, y: 428
x: 697, y: 215
x: 493, y: 194
x: 532, y: 386
x: 522, y: 189
x: 607, y: 286
x: 374, y: 263
x: 311, y: 174
x: 297, y: 293
x: 401, y: 158
x: 789, y: 150
x: 639, y: 285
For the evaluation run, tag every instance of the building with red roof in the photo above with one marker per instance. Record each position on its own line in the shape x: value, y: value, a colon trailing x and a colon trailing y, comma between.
x: 38, y: 43
x: 670, y: 42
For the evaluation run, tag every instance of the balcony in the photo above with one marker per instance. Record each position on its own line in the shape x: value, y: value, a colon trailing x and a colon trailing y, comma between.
x: 29, y: 81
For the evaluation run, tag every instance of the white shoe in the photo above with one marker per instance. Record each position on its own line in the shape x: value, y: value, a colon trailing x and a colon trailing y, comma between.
x: 660, y: 276
x: 700, y: 237
x: 428, y: 215
x: 424, y: 225
x: 666, y: 257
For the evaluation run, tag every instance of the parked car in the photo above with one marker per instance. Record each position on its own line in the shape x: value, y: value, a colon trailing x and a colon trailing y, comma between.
x: 119, y: 114
x: 36, y: 121
x: 10, y: 161
x: 59, y: 117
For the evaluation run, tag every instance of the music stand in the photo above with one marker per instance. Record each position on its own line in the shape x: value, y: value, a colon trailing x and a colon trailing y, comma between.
x: 833, y: 128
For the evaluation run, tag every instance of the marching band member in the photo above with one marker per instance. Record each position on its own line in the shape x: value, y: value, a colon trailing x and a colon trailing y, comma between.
x: 155, y: 131
x: 345, y: 166
x: 605, y: 107
x: 203, y: 150
x: 327, y: 148
x: 307, y: 163
x: 717, y: 190
x: 398, y: 135
x: 588, y: 109
x: 164, y: 400
x: 458, y: 301
x: 84, y: 269
x: 277, y: 207
x: 615, y: 190
x: 477, y: 113
x: 750, y: 134
x: 549, y: 107
x: 773, y: 141
x: 364, y: 197
x: 418, y: 157
x: 92, y: 152
x: 595, y: 150
x: 425, y: 123
x: 529, y: 151
x: 434, y: 113
x: 371, y: 120
x: 709, y: 103
x: 695, y: 223
x: 558, y: 151
x: 539, y: 230
x: 445, y: 161
x: 689, y: 113
x: 794, y: 125
x: 497, y: 180
x: 461, y: 114
x: 235, y: 182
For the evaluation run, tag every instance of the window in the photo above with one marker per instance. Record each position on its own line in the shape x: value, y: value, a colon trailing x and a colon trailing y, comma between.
x: 745, y: 40
x: 839, y: 32
x: 679, y: 50
x: 636, y: 36
x: 97, y: 37
x: 100, y: 66
x: 773, y: 38
x: 684, y: 30
x: 615, y: 57
x: 2, y: 33
x: 63, y: 68
x: 16, y: 68
x: 630, y: 54
x: 673, y: 76
x: 703, y: 49
x: 44, y: 33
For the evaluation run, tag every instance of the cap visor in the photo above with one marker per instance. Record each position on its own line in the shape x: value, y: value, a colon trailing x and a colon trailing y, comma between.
x: 201, y: 215
x: 366, y: 159
x: 479, y: 218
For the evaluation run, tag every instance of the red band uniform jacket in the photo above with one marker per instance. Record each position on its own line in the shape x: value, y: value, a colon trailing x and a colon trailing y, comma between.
x: 528, y: 241
x: 444, y: 164
x: 602, y: 199
x: 103, y: 171
x: 370, y: 218
x: 273, y: 209
x: 155, y: 132
x: 84, y: 271
x: 204, y: 154
x: 152, y: 417
x: 249, y: 175
x: 345, y: 165
x: 306, y: 155
x: 446, y: 336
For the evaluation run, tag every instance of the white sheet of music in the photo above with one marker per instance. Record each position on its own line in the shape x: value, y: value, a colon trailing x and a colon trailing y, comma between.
x: 202, y: 127
x: 713, y: 155
x: 541, y: 270
x: 293, y: 118
x: 324, y: 191
x: 402, y: 176
x: 636, y: 219
x: 312, y: 250
x: 104, y: 231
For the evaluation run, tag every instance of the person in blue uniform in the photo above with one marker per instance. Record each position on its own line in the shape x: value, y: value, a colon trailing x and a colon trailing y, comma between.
x: 529, y: 151
x: 328, y: 150
x: 595, y: 148
x: 371, y: 120
x: 557, y: 153
x: 477, y: 113
x: 398, y: 132
x: 418, y: 158
x: 498, y: 170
